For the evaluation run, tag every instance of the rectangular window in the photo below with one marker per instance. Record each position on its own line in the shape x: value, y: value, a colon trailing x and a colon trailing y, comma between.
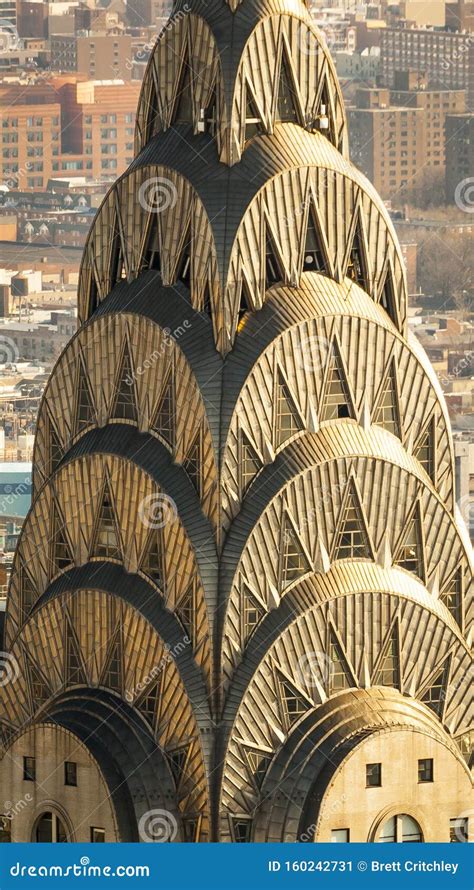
x: 70, y: 772
x: 425, y: 770
x: 373, y: 775
x: 340, y: 835
x: 29, y: 769
x: 97, y: 835
x: 458, y: 831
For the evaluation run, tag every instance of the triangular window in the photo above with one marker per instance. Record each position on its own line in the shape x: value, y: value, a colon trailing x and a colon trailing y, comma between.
x: 186, y: 610
x: 183, y: 272
x: 147, y: 705
x: 253, y: 122
x: 249, y: 463
x: 352, y: 541
x: 252, y: 612
x: 293, y: 559
x: 425, y: 450
x: 273, y: 270
x: 61, y: 555
x: 410, y: 551
x: 177, y: 761
x: 293, y: 702
x: 75, y: 674
x: 163, y: 421
x: 210, y: 114
x: 192, y: 464
x: 245, y: 304
x: 451, y: 596
x: 124, y: 406
x: 153, y: 563
x: 386, y: 412
x: 183, y: 110
x: 336, y: 403
x: 85, y: 411
x: 388, y: 298
x: 287, y: 103
x: 28, y: 592
x: 357, y: 266
x: 258, y: 764
x: 151, y: 254
x: 325, y: 109
x: 435, y: 695
x: 388, y: 671
x: 39, y: 690
x: 314, y: 258
x: 107, y: 541
x: 287, y: 418
x: 340, y: 676
x: 116, y: 264
x: 113, y: 673
x: 55, y: 449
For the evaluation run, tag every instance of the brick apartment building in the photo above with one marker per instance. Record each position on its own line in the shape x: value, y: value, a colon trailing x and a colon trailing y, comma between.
x: 398, y: 137
x: 447, y: 58
x: 459, y: 151
x: 99, y: 56
x: 66, y: 125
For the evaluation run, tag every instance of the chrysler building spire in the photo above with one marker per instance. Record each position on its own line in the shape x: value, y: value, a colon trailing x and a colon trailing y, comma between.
x: 242, y: 592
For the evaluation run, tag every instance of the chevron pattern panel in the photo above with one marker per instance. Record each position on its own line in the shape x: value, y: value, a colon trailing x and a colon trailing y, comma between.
x: 244, y: 553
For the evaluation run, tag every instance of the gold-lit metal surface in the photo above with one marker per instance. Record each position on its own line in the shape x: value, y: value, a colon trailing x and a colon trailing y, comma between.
x: 243, y: 563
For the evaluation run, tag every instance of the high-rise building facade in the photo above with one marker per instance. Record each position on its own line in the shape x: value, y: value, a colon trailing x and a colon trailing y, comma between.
x: 239, y: 605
